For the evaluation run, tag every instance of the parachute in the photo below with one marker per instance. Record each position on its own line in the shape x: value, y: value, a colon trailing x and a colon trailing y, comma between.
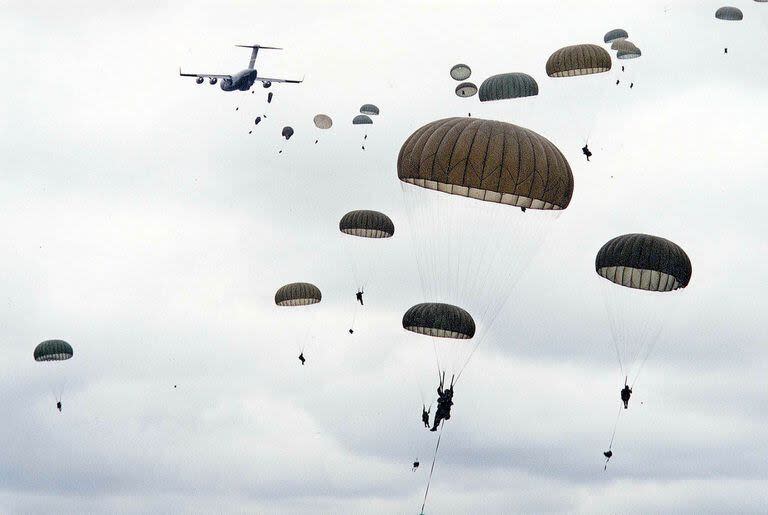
x: 362, y: 119
x: 298, y: 294
x: 623, y: 44
x: 364, y: 225
x: 53, y: 350
x: 638, y: 268
x: 369, y: 109
x: 287, y: 132
x: 302, y: 322
x: 462, y: 179
x: 466, y: 89
x: 487, y: 160
x: 629, y: 54
x: 322, y: 121
x: 728, y: 13
x: 615, y: 35
x: 576, y: 60
x: 508, y: 85
x: 439, y: 320
x: 460, y: 72
x: 367, y: 224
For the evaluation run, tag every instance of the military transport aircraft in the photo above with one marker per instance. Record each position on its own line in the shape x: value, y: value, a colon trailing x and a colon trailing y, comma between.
x: 242, y: 80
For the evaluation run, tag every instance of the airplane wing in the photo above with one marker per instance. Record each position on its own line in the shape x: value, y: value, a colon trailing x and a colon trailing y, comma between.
x: 289, y: 81
x: 205, y: 75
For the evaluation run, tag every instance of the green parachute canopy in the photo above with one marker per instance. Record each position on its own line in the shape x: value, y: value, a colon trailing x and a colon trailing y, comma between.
x: 728, y: 13
x: 644, y: 262
x: 298, y: 294
x: 489, y: 161
x: 576, y: 60
x: 367, y: 224
x: 369, y: 109
x: 508, y: 85
x: 53, y: 350
x: 615, y: 34
x: 440, y: 320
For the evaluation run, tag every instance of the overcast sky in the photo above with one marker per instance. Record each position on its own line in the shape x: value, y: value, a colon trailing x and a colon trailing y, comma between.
x: 143, y: 224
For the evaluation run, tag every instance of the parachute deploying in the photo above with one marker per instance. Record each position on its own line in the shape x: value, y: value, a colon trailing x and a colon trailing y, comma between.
x: 287, y: 132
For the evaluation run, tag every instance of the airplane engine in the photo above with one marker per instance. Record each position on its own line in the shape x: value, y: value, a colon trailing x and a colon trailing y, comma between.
x: 267, y: 84
x: 213, y: 80
x: 199, y: 80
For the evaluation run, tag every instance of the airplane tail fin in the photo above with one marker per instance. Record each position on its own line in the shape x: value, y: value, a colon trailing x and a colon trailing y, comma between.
x: 255, y: 51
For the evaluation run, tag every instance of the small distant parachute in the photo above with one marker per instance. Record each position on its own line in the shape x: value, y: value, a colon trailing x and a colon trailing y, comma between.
x: 369, y: 109
x: 728, y: 13
x: 287, y: 132
x: 53, y: 350
x: 367, y: 224
x: 362, y: 119
x: 269, y: 98
x: 439, y: 320
x: 460, y: 72
x: 576, y: 60
x: 629, y: 54
x: 322, y: 121
x: 623, y: 44
x: 466, y: 89
x: 508, y: 85
x: 298, y: 294
x: 257, y: 120
x: 614, y: 35
x: 644, y: 262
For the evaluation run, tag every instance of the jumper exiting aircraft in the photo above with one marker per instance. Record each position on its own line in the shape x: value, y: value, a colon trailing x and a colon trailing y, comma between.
x: 242, y: 80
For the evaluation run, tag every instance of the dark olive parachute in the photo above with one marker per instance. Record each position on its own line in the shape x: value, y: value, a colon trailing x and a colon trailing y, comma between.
x: 460, y: 72
x: 367, y: 224
x: 466, y: 89
x: 287, y: 132
x: 53, y: 350
x: 728, y: 13
x: 298, y: 294
x: 508, y: 85
x: 623, y: 45
x: 572, y: 61
x: 362, y: 119
x: 440, y: 320
x: 615, y: 34
x: 487, y: 160
x: 644, y: 262
x: 629, y: 54
x: 369, y: 109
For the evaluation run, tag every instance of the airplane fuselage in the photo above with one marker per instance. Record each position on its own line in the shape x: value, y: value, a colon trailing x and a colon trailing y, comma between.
x: 241, y: 81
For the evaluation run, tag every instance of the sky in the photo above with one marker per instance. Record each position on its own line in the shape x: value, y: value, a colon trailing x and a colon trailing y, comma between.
x: 142, y: 223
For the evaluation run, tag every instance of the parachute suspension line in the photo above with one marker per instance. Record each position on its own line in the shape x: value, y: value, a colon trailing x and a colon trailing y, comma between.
x: 437, y: 357
x: 645, y: 358
x: 432, y: 469
x: 615, y: 425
